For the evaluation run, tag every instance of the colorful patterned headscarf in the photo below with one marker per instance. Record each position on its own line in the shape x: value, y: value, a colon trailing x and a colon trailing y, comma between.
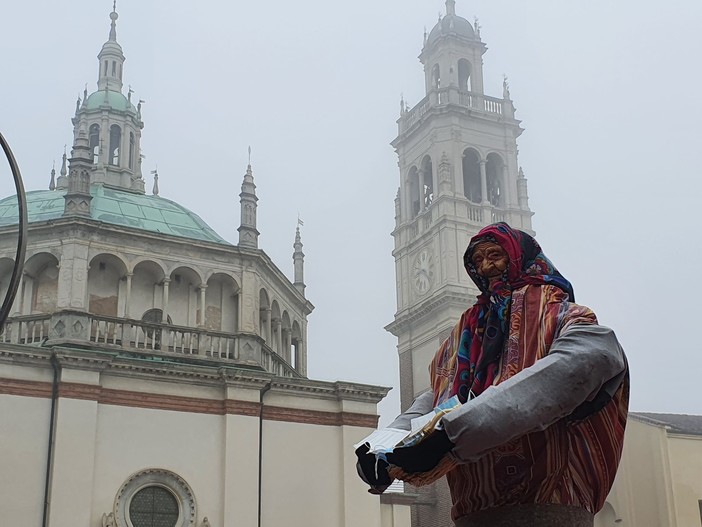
x: 485, y: 325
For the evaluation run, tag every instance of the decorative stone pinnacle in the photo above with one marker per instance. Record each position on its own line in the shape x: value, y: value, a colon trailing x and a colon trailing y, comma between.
x: 450, y: 7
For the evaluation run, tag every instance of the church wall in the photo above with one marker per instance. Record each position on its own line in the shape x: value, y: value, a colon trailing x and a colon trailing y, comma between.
x: 24, y: 439
x: 641, y: 492
x: 685, y: 468
x: 301, y: 471
x: 130, y: 440
x: 240, y: 471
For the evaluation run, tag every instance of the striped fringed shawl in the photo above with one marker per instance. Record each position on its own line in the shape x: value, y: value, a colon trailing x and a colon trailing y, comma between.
x: 570, y: 462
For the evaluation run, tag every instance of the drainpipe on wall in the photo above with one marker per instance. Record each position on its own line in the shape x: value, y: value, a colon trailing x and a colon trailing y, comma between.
x: 50, y: 451
x: 260, y: 446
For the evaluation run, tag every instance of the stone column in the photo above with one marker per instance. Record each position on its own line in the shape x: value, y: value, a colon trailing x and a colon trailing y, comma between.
x: 507, y: 189
x: 19, y: 299
x: 164, y: 308
x: 483, y: 180
x: 128, y: 295
x: 286, y: 345
x: 279, y: 336
x: 203, y: 290
x: 269, y: 335
x: 420, y: 176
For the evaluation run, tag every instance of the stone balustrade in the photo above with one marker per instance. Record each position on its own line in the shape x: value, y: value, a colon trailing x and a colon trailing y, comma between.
x: 477, y: 102
x: 76, y: 327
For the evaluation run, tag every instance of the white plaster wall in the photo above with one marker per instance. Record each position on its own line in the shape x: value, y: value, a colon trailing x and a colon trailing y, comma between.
x: 686, y: 471
x: 302, y: 479
x: 129, y: 440
x: 23, y: 451
x: 72, y: 475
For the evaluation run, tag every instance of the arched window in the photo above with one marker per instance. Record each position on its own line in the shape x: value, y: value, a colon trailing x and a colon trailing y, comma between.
x: 471, y: 176
x: 428, y: 183
x: 414, y: 195
x: 436, y: 77
x: 464, y: 71
x: 153, y: 506
x: 106, y: 66
x: 131, y: 150
x: 114, y: 68
x: 115, y: 140
x: 95, y: 142
x: 493, y: 171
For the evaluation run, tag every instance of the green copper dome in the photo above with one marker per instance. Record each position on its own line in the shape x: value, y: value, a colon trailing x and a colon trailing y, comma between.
x: 115, y: 100
x: 117, y: 207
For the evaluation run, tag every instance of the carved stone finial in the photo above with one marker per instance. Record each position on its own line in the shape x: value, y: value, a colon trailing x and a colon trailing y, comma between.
x: 52, y: 183
x: 155, y: 190
x: 505, y: 88
x: 450, y: 7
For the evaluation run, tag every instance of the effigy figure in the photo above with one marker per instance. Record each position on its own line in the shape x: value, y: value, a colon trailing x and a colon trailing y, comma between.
x: 544, y: 392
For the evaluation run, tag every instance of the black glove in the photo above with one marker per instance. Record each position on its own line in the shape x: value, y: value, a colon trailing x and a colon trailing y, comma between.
x: 366, y: 467
x: 423, y: 456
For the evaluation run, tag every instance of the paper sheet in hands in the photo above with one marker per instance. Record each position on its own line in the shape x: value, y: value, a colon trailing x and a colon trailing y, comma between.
x: 386, y: 439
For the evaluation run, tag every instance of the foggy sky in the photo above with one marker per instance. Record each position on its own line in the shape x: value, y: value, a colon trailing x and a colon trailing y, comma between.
x: 607, y: 93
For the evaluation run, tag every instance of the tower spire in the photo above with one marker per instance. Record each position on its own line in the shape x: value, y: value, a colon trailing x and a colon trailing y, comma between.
x: 451, y: 7
x: 248, y: 234
x: 113, y: 26
x: 299, y: 259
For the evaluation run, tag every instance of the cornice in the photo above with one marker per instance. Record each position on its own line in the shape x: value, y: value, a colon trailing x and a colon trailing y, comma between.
x: 427, y: 309
x: 117, y: 365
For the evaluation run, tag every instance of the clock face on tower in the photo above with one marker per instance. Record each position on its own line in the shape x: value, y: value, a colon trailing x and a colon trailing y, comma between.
x: 423, y: 271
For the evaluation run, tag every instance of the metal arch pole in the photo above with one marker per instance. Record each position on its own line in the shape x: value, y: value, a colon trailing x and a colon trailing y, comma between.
x: 22, y: 238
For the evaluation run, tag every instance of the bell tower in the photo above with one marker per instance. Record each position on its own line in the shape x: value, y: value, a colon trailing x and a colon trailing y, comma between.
x: 457, y: 151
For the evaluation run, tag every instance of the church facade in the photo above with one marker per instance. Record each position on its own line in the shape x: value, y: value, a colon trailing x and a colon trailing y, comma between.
x: 154, y: 374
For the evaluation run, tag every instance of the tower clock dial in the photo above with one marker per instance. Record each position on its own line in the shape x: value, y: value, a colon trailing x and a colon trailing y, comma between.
x: 423, y: 271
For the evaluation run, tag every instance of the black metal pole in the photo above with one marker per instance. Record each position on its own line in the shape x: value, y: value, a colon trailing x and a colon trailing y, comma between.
x: 22, y: 235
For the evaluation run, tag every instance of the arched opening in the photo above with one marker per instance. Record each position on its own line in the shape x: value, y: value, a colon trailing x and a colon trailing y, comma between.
x: 131, y: 150
x: 464, y: 75
x: 146, y: 289
x: 493, y: 170
x: 41, y: 270
x: 94, y: 142
x: 222, y: 304
x: 436, y: 77
x: 115, y: 140
x: 264, y: 317
x: 414, y: 192
x: 428, y: 182
x: 183, y: 298
x: 471, y: 176
x: 104, y: 284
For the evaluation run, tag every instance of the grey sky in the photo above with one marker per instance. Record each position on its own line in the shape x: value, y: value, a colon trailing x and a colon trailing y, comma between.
x: 607, y: 92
